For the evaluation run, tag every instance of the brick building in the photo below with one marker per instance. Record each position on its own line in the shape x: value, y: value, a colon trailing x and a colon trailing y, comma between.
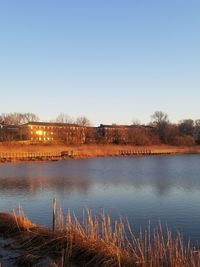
x: 52, y: 132
x: 114, y: 134
x: 9, y: 133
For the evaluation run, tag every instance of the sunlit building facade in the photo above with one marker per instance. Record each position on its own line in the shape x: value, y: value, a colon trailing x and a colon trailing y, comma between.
x: 52, y: 132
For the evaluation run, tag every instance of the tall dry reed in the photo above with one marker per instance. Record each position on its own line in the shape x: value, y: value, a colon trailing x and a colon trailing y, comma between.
x: 96, y: 241
x: 115, y: 244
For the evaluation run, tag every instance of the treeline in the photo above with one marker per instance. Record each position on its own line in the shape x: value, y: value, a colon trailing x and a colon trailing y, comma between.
x: 186, y: 132
x: 159, y: 131
x: 17, y: 119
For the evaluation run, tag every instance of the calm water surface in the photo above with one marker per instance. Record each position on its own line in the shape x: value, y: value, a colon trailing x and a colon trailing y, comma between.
x: 163, y: 188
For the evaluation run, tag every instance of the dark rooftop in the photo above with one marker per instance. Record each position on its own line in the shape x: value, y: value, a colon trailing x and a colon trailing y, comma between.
x: 51, y: 124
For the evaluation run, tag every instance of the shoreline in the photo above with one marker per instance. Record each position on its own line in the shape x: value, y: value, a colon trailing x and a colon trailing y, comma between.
x: 15, y: 153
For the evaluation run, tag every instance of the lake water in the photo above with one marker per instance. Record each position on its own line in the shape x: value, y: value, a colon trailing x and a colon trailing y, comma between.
x: 165, y: 188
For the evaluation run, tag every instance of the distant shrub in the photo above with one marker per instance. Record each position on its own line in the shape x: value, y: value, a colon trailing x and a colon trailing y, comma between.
x: 183, y: 140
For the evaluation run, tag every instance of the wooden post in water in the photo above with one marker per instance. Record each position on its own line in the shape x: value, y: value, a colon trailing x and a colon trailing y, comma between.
x: 54, y: 214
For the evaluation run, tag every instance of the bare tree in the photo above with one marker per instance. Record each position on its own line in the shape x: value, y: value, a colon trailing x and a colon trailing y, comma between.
x: 135, y: 122
x: 29, y: 117
x: 159, y: 117
x: 10, y: 118
x: 197, y: 123
x: 197, y: 131
x: 161, y: 122
x: 64, y: 118
x: 186, y: 126
x: 83, y: 121
x: 17, y: 118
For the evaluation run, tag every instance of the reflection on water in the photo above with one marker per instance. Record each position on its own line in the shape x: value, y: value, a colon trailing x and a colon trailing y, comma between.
x: 165, y: 188
x: 161, y: 174
x: 27, y: 185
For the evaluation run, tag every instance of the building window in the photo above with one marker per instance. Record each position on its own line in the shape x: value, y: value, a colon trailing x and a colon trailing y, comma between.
x: 39, y: 132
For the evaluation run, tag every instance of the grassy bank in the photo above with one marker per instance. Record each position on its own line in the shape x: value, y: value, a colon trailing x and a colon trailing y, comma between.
x: 89, y: 151
x: 95, y: 241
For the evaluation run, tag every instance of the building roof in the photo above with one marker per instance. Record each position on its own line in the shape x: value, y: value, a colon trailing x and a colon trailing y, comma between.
x: 37, y: 123
x: 114, y: 126
x: 120, y: 126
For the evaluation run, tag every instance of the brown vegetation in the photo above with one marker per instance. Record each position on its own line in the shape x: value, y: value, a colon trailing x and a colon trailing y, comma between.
x: 95, y: 241
x: 88, y: 151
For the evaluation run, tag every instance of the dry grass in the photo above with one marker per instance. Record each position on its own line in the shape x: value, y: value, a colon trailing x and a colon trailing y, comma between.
x: 84, y: 151
x: 96, y: 241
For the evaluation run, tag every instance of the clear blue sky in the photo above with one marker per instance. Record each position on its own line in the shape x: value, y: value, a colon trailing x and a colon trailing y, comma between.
x: 110, y: 60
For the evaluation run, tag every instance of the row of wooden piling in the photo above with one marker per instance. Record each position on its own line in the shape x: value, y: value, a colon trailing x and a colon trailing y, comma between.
x: 36, y: 156
x: 142, y: 152
x: 53, y: 156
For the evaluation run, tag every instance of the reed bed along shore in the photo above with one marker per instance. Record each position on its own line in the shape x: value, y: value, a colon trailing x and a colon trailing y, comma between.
x: 90, y: 151
x: 94, y: 241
